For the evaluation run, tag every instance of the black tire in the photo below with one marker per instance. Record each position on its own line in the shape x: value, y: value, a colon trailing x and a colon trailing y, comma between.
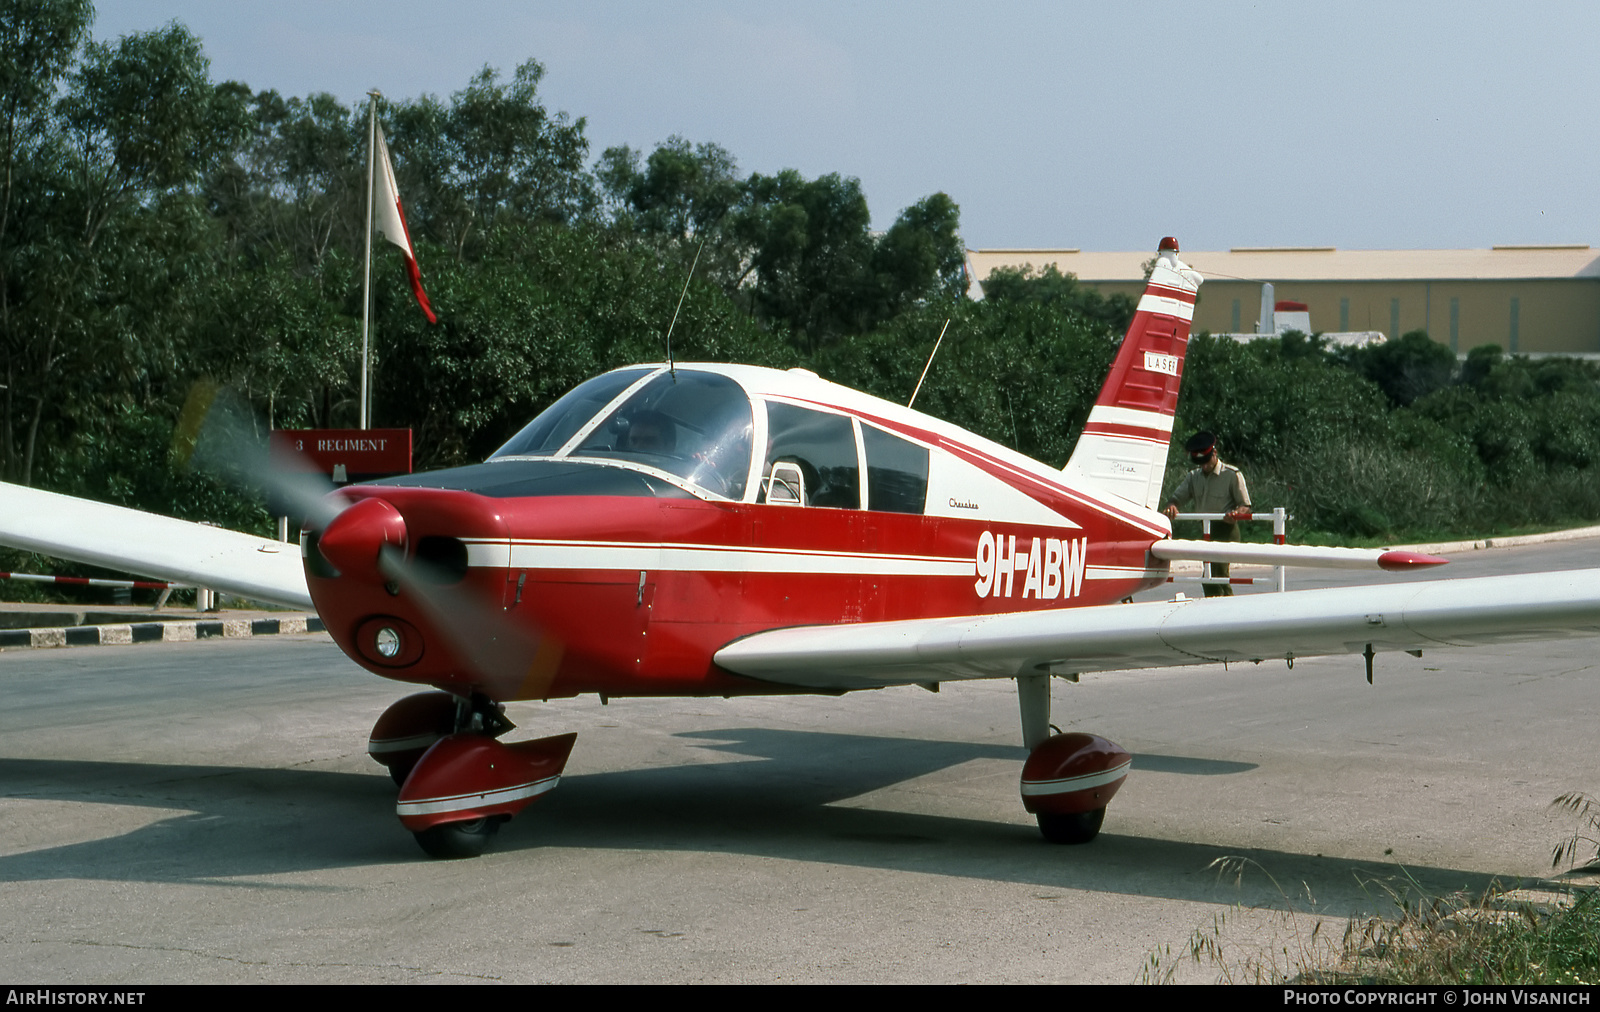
x: 1080, y: 827
x: 401, y: 769
x: 458, y: 839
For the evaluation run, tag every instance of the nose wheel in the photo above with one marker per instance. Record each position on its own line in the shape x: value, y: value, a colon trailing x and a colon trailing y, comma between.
x: 460, y: 839
x: 467, y: 784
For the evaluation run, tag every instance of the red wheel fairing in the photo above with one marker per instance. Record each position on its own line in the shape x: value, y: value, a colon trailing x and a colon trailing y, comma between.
x: 1073, y: 773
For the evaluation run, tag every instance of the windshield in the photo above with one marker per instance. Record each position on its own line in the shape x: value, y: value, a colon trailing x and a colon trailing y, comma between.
x: 556, y: 424
x: 692, y: 424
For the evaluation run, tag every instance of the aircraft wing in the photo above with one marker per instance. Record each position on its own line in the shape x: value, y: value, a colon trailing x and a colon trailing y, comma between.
x: 1409, y: 616
x: 159, y: 547
x: 1174, y: 550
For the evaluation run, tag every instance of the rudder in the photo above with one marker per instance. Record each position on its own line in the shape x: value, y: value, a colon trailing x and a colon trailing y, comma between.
x: 1123, y: 448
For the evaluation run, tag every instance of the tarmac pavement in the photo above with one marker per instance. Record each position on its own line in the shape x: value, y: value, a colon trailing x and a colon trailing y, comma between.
x: 205, y: 812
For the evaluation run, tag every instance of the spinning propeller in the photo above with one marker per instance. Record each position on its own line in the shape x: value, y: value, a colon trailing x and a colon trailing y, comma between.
x: 367, y: 541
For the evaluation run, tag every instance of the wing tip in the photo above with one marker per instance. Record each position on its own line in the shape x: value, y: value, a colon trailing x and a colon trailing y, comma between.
x: 1399, y: 562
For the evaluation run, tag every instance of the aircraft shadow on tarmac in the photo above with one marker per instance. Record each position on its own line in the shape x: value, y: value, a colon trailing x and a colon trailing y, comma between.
x: 243, y: 825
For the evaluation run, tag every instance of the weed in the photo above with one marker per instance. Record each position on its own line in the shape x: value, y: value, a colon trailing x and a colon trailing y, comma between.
x: 1587, y: 812
x: 1502, y: 936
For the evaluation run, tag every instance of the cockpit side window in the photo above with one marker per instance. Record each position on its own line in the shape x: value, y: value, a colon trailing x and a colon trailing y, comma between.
x: 897, y: 472
x: 695, y: 425
x: 553, y: 426
x: 811, y: 456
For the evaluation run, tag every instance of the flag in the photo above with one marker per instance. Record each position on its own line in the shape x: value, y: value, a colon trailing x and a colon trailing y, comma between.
x: 390, y: 219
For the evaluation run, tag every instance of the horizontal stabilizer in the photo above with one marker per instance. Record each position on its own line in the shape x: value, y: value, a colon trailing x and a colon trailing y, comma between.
x: 1173, y: 550
x: 162, y: 548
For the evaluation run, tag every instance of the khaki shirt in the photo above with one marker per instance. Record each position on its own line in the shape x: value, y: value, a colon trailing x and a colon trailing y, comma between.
x: 1222, y: 492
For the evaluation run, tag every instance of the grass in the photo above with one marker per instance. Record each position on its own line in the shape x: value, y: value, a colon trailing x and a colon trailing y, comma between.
x: 1495, y: 939
x: 1500, y: 937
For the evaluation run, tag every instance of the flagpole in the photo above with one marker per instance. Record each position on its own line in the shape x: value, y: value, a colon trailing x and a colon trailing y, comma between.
x: 366, y: 279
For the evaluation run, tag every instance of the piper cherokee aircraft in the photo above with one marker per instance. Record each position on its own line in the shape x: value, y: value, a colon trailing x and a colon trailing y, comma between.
x: 722, y: 530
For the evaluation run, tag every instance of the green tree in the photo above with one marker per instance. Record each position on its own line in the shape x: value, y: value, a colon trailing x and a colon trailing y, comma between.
x: 1406, y: 369
x: 108, y: 200
x: 921, y: 257
x: 1053, y: 288
x: 39, y: 41
x: 680, y: 192
x: 545, y: 308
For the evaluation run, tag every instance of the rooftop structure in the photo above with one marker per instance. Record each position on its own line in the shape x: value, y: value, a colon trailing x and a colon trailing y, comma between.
x: 1525, y: 298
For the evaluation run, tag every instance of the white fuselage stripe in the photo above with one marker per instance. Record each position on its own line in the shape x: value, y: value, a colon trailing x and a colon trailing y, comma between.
x: 480, y: 799
x: 624, y: 556
x: 1163, y: 306
x: 1066, y: 785
x: 1107, y: 414
x: 710, y: 559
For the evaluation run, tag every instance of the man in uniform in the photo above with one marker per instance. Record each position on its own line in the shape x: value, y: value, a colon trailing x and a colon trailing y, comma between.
x: 1213, y: 487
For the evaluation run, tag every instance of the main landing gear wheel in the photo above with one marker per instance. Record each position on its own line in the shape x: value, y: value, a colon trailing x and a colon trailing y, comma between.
x: 1067, y: 781
x: 1079, y: 827
x: 459, y: 839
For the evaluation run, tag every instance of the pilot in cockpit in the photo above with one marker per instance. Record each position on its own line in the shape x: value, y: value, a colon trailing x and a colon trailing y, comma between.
x: 649, y: 432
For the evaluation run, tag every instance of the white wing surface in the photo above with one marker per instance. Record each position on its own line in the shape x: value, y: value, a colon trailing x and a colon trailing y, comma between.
x: 1344, y: 620
x: 1173, y: 550
x: 159, y: 547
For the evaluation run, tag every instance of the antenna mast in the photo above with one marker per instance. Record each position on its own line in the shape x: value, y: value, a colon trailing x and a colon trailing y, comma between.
x: 681, y: 294
x: 925, y: 368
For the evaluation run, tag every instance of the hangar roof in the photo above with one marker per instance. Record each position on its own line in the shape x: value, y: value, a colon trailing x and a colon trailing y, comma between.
x: 1316, y: 263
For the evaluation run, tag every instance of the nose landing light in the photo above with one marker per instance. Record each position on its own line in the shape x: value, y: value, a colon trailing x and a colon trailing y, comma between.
x: 389, y: 641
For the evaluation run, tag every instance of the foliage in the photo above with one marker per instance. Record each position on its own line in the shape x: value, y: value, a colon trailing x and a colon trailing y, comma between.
x: 545, y: 308
x: 798, y: 254
x: 158, y: 228
x: 1495, y: 938
x: 1350, y: 457
x: 1585, y: 839
x: 1051, y: 287
x: 102, y: 224
x: 1023, y: 374
x: 1405, y: 369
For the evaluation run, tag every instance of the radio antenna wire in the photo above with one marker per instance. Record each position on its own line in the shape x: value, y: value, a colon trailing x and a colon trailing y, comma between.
x: 925, y: 368
x: 675, y: 312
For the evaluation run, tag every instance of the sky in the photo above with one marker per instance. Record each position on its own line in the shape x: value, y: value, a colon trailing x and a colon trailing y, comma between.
x: 1361, y: 125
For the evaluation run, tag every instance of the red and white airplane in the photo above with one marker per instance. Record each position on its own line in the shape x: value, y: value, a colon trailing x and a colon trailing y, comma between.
x: 720, y: 530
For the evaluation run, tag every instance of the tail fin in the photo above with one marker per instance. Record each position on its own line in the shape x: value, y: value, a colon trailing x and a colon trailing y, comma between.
x: 1123, y: 449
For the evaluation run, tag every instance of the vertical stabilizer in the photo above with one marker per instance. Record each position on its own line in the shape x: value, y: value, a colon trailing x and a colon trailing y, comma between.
x: 1123, y: 449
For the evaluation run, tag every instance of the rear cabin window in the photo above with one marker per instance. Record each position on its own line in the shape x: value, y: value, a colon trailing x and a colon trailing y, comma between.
x: 822, y: 447
x: 897, y: 472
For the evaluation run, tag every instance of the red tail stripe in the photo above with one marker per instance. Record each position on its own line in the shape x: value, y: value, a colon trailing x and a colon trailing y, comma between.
x: 1170, y: 293
x: 1130, y: 431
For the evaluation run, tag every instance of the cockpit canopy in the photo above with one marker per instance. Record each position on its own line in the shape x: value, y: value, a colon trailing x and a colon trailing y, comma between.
x: 695, y: 425
x: 699, y: 427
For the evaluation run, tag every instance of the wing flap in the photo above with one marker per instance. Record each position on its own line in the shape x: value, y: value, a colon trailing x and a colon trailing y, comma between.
x: 1342, y: 620
x: 162, y: 548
